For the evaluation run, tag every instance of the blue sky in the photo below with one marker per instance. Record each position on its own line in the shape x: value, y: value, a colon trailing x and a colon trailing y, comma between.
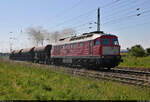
x: 117, y: 17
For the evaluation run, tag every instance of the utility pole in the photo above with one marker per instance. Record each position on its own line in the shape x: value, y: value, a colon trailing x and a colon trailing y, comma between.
x: 98, y: 20
x: 10, y: 47
x: 10, y: 43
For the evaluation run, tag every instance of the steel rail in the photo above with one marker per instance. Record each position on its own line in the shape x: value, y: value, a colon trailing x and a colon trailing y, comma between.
x: 132, y: 71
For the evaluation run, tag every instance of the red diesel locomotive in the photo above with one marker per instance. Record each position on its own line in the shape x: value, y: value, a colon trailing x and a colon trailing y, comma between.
x: 95, y: 49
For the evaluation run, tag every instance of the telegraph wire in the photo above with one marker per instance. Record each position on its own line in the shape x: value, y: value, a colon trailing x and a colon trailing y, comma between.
x: 131, y: 20
x: 77, y: 17
x: 127, y: 27
x: 75, y: 23
x: 135, y: 15
x: 111, y: 3
x: 107, y: 22
x: 115, y: 11
x: 111, y: 20
x: 122, y: 3
x: 69, y: 9
x: 106, y: 5
x: 83, y: 24
x: 124, y: 10
x: 86, y: 26
x: 138, y: 14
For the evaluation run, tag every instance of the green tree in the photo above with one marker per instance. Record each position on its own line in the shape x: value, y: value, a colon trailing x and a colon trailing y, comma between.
x: 137, y: 51
x: 148, y: 51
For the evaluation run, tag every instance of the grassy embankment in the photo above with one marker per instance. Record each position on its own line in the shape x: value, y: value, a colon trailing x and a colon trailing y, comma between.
x: 20, y: 81
x: 131, y: 61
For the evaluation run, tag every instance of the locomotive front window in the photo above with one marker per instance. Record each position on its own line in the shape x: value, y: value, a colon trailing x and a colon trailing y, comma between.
x: 115, y: 42
x: 105, y: 41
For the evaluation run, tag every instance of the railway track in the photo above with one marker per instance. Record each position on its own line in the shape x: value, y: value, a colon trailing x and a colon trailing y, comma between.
x: 133, y: 77
x: 130, y: 71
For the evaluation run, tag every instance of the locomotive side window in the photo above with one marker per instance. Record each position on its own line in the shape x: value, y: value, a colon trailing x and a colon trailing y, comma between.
x: 65, y: 45
x: 115, y: 41
x: 74, y: 45
x: 81, y: 44
x: 105, y: 41
x: 71, y: 45
x: 68, y: 46
x: 97, y: 42
x: 90, y: 43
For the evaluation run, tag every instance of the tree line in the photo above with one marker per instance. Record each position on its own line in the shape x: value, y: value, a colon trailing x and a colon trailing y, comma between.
x: 138, y: 51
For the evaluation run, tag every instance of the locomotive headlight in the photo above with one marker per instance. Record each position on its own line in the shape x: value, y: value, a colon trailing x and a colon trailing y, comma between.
x: 102, y: 56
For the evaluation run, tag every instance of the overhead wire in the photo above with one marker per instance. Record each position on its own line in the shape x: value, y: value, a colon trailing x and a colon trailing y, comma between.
x: 131, y: 26
x: 68, y: 9
x: 86, y: 13
x: 77, y: 17
x: 124, y: 10
x: 77, y: 21
x: 120, y: 18
x: 134, y: 18
x: 144, y: 16
x: 84, y: 24
x: 109, y: 4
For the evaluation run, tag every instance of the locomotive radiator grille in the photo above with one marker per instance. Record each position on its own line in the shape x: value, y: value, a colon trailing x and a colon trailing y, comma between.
x: 108, y: 50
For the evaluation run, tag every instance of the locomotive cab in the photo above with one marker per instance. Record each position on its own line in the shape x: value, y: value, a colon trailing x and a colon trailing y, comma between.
x: 109, y: 51
x: 110, y: 45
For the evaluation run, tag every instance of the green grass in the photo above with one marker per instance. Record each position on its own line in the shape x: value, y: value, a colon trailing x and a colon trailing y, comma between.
x: 27, y: 82
x: 130, y: 61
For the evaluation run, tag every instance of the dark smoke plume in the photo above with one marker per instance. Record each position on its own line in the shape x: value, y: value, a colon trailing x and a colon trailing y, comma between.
x: 37, y: 34
x: 55, y: 36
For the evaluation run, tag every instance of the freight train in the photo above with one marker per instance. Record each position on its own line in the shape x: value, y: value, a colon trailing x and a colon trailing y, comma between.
x: 94, y: 49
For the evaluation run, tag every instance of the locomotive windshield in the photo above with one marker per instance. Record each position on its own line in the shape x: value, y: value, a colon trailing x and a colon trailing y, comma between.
x: 115, y: 41
x: 105, y: 41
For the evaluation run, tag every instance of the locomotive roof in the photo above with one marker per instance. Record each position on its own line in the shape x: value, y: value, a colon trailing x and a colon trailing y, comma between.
x: 81, y: 38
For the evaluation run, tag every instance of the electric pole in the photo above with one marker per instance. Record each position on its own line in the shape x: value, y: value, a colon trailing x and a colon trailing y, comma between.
x: 10, y: 43
x: 98, y: 20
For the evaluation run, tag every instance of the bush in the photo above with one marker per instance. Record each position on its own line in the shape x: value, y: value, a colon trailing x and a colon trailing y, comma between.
x: 148, y: 51
x: 137, y: 51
